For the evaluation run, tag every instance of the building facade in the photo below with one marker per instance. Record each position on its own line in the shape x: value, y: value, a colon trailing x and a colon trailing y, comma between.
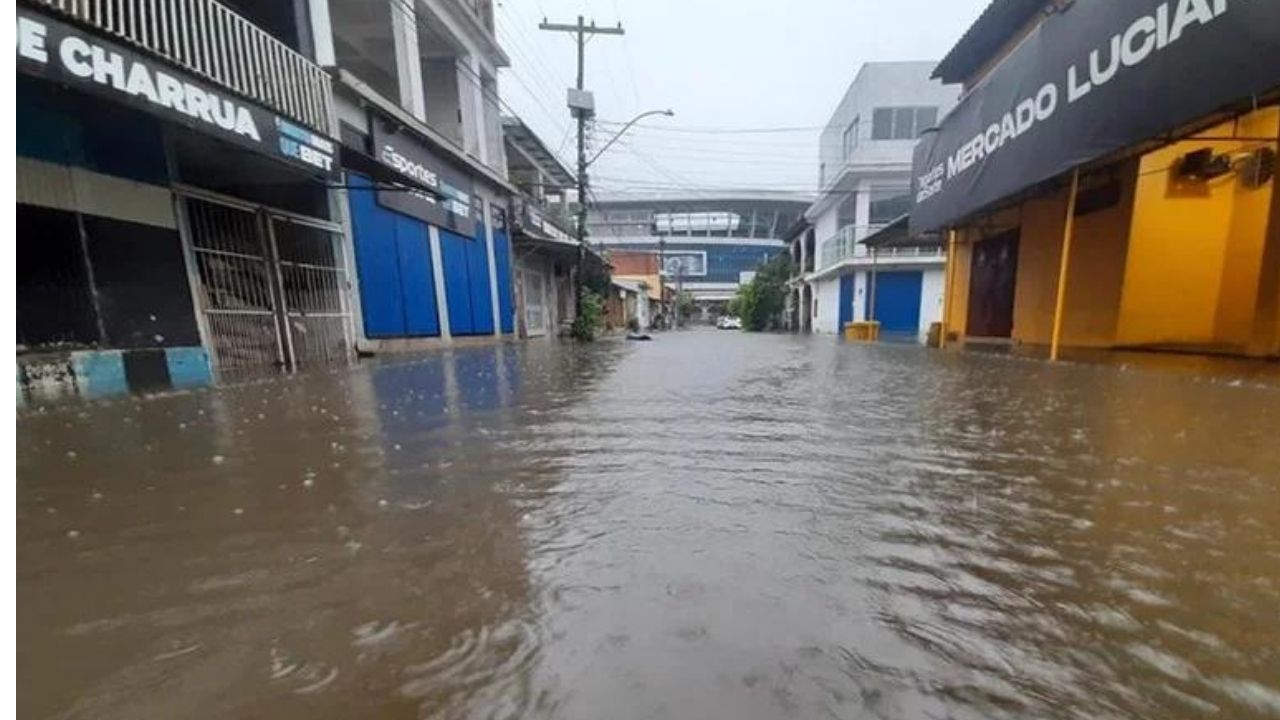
x: 174, y: 212
x: 864, y: 173
x: 1156, y: 229
x: 707, y: 246
x: 207, y: 188
x: 417, y: 111
x: 549, y: 269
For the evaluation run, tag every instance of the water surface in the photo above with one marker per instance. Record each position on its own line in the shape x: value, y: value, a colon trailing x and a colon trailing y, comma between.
x: 711, y: 525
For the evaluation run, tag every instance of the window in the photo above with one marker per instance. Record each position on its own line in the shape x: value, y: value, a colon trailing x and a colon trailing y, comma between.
x: 850, y: 139
x: 902, y: 123
x: 888, y: 205
x: 696, y: 222
x: 685, y: 264
x: 822, y: 174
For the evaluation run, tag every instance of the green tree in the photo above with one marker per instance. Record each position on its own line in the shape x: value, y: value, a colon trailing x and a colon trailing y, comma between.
x: 759, y: 303
x: 590, y: 316
x: 685, y: 305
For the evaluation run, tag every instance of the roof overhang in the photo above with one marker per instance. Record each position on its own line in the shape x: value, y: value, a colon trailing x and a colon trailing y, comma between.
x: 523, y: 138
x: 1041, y: 113
x: 994, y: 28
x: 897, y: 235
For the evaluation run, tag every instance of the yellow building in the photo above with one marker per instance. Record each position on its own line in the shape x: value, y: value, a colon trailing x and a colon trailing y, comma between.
x: 1168, y: 214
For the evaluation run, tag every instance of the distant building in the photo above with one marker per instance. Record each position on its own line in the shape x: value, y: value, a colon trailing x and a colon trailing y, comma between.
x: 706, y: 245
x: 865, y: 179
x: 545, y: 249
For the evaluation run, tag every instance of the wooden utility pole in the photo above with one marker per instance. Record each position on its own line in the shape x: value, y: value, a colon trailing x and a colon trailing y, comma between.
x: 583, y: 108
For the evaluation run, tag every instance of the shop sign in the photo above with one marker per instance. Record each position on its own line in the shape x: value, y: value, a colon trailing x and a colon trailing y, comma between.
x: 64, y: 54
x: 1094, y: 78
x: 449, y: 201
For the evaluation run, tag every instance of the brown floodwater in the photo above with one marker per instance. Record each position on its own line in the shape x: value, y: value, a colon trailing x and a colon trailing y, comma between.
x: 711, y: 525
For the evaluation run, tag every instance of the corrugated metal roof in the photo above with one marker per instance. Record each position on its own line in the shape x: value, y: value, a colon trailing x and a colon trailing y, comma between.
x: 520, y: 135
x: 985, y: 37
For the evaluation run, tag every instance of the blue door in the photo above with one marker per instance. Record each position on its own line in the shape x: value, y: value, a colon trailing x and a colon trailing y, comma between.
x: 457, y: 281
x: 846, y: 302
x: 393, y: 259
x: 897, y: 302
x: 417, y: 280
x: 377, y: 262
x: 502, y: 264
x: 478, y: 271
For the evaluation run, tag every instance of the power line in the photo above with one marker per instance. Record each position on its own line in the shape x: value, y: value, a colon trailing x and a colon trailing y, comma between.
x: 626, y: 49
x: 583, y: 112
x: 529, y: 48
x: 721, y: 131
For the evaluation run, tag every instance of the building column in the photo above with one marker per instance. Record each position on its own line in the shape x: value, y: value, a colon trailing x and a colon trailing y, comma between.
x: 437, y: 273
x: 339, y: 209
x: 320, y: 21
x: 862, y: 211
x: 404, y: 33
x: 487, y: 209
x: 471, y: 104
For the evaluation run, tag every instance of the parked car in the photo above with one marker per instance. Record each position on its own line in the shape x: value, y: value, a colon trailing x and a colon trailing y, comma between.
x: 729, y: 322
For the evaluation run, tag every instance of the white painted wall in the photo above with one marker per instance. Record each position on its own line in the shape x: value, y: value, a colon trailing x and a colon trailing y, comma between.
x: 826, y: 294
x: 861, y: 286
x: 826, y: 225
x: 931, y: 291
x: 881, y: 84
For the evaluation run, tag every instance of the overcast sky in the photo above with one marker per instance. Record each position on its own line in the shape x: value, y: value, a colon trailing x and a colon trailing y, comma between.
x: 720, y: 65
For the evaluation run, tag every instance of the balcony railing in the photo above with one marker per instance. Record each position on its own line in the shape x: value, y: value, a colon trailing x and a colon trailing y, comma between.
x: 214, y: 42
x: 845, y: 245
x: 542, y: 221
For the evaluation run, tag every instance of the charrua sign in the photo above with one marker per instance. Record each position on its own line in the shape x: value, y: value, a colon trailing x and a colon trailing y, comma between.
x: 450, y: 201
x: 65, y: 54
x: 1095, y: 78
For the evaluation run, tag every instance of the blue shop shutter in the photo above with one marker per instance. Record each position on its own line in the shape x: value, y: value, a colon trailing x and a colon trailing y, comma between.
x: 898, y: 302
x: 457, y: 281
x: 417, y: 281
x: 478, y: 269
x: 377, y: 262
x: 502, y: 261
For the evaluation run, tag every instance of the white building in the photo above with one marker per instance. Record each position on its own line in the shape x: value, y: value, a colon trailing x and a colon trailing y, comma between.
x: 865, y: 180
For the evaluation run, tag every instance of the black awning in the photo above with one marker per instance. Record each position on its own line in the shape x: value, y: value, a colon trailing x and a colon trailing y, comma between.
x: 380, y: 174
x: 1095, y: 79
x: 897, y: 234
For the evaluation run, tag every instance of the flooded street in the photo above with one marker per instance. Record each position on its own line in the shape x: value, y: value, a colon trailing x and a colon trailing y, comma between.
x: 711, y: 525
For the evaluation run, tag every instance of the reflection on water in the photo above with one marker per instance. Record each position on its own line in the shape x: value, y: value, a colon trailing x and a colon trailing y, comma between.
x: 711, y: 525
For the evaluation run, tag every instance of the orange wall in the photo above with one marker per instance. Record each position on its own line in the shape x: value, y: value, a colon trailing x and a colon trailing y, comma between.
x: 633, y: 262
x: 1095, y: 274
x: 958, y: 303
x: 1266, y: 331
x: 1195, y: 250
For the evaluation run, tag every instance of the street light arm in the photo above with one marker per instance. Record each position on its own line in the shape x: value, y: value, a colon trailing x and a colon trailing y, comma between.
x: 623, y: 131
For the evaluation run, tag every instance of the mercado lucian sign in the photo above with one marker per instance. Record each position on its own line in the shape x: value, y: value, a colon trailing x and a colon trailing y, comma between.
x: 1099, y: 76
x: 65, y: 54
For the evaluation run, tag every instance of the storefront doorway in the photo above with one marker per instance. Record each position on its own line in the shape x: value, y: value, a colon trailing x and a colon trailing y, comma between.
x: 270, y: 285
x: 991, y: 286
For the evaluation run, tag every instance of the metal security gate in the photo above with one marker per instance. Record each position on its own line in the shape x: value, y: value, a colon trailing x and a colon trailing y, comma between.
x: 271, y: 287
x: 535, y: 309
